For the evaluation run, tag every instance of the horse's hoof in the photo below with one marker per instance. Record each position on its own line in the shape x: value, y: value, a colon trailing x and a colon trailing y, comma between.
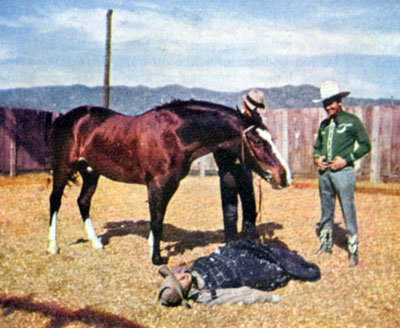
x: 97, y: 244
x: 52, y: 249
x: 158, y: 260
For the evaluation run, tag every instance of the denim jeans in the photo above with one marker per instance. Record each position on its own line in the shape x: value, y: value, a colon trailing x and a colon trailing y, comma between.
x: 342, y: 184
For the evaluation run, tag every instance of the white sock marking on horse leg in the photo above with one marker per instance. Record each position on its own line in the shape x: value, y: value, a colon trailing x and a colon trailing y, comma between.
x: 151, y: 243
x: 96, y: 242
x: 53, y: 249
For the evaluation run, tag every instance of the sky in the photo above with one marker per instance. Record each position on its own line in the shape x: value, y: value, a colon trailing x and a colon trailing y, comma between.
x: 218, y: 45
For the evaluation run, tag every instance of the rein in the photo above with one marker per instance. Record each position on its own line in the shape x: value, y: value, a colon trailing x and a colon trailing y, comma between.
x: 258, y: 212
x: 259, y: 209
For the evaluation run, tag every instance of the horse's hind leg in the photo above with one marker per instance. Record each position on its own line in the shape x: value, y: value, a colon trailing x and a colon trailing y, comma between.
x: 60, y: 180
x: 90, y: 179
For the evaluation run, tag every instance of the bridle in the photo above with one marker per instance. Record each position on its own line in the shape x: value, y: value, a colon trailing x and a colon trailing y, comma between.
x: 250, y: 150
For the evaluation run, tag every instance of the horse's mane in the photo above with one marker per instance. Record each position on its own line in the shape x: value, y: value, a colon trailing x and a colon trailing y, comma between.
x: 101, y: 112
x: 178, y: 104
x: 186, y: 106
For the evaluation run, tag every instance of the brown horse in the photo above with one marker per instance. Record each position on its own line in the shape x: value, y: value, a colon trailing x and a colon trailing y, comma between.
x: 155, y: 149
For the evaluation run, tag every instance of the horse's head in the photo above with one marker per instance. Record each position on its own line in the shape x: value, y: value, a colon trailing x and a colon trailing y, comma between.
x: 261, y: 155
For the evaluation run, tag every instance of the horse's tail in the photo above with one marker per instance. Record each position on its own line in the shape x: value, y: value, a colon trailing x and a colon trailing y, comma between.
x: 61, y: 140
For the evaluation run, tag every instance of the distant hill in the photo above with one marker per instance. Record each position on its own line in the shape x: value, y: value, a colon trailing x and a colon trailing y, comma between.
x: 138, y: 99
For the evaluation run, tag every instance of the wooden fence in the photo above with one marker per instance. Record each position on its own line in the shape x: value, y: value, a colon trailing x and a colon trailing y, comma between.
x: 23, y: 141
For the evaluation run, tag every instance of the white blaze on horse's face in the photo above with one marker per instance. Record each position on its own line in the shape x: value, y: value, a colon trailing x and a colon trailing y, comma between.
x: 278, y: 176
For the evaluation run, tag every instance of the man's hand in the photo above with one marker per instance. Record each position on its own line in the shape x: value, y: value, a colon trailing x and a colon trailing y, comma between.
x: 321, y: 163
x: 337, y: 163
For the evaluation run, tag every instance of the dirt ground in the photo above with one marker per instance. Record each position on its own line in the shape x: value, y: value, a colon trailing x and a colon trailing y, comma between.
x: 116, y: 287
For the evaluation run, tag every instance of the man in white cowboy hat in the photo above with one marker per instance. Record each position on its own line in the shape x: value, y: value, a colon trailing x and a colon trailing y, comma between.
x: 342, y: 139
x: 236, y: 180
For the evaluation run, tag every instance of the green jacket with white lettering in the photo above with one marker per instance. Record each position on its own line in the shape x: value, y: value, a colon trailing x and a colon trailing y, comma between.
x: 343, y: 135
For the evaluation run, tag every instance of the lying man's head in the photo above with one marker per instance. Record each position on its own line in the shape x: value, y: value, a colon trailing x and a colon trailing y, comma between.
x: 174, y: 288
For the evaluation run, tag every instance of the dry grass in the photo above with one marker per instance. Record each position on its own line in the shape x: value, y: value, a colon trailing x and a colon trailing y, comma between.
x: 116, y: 287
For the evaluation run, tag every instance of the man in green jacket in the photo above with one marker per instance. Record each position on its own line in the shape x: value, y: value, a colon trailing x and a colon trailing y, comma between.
x: 341, y: 140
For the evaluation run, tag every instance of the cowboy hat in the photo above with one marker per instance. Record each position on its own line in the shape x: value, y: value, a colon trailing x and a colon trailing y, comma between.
x: 171, y: 292
x: 254, y: 99
x: 329, y: 90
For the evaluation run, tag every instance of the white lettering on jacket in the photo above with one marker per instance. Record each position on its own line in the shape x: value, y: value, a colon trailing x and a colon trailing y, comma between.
x: 342, y: 127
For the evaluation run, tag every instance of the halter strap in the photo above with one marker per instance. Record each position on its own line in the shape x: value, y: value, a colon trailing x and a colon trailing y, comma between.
x: 258, y: 213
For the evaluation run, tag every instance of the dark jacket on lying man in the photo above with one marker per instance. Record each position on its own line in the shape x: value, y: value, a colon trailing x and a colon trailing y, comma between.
x: 238, y: 272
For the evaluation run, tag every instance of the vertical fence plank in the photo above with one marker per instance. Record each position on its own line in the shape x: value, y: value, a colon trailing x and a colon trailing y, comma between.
x: 310, y: 124
x: 285, y: 136
x: 385, y: 144
x: 375, y: 158
x: 11, y: 142
x: 367, y: 117
x: 395, y: 142
x: 2, y: 140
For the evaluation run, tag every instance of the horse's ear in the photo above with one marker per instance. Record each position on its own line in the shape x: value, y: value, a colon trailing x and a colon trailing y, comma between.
x: 257, y: 120
x: 240, y: 112
x: 244, y: 116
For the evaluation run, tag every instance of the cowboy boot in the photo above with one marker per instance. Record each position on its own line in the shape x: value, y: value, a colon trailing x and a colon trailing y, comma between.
x: 326, y: 241
x: 352, y: 245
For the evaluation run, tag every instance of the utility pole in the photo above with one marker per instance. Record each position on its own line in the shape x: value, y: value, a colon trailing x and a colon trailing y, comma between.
x: 106, y: 97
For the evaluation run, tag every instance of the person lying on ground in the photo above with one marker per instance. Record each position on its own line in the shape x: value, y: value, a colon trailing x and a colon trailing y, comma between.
x: 240, y: 271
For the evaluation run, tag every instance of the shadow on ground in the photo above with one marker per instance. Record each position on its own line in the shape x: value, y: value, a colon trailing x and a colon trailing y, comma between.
x: 181, y: 239
x: 62, y: 317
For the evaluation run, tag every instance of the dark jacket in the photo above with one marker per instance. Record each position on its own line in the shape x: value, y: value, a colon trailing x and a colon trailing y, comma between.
x: 256, y: 266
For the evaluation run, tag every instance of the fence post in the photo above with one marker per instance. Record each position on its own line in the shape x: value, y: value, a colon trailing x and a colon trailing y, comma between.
x: 106, y: 99
x: 11, y: 127
x: 375, y: 156
x: 285, y: 137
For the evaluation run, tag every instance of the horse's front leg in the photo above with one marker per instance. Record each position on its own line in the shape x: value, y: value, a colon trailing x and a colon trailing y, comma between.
x: 156, y: 225
x: 159, y: 197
